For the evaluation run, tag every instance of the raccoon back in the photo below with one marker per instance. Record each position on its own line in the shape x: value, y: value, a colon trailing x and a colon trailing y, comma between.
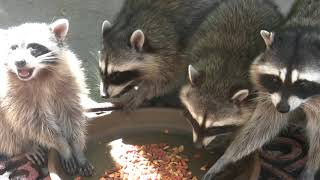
x: 228, y: 41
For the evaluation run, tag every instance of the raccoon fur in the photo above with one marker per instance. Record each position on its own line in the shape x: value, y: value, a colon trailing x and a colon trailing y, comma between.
x: 219, y: 92
x: 142, y: 53
x: 287, y: 76
x: 42, y: 83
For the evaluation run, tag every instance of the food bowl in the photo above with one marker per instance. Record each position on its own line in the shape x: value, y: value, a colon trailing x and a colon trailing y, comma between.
x: 150, y: 126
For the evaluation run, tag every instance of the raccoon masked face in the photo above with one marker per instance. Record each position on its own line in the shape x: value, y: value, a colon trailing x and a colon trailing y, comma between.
x: 123, y: 64
x: 288, y: 72
x: 210, y: 111
x: 33, y: 48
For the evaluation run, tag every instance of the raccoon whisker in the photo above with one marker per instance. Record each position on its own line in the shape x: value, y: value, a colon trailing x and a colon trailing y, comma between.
x: 262, y: 94
x: 47, y: 54
x: 49, y: 62
x: 260, y: 98
x: 97, y: 85
x: 308, y: 106
x: 48, y: 58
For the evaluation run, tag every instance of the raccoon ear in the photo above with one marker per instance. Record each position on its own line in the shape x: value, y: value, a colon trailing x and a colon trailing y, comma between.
x: 106, y: 25
x: 137, y: 40
x: 194, y: 75
x: 60, y: 28
x: 268, y: 37
x: 240, y: 95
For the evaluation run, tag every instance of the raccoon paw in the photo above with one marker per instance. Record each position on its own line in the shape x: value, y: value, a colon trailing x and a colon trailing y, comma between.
x: 39, y: 156
x: 86, y: 169
x: 131, y: 100
x: 70, y: 166
x: 306, y: 175
x: 214, y: 170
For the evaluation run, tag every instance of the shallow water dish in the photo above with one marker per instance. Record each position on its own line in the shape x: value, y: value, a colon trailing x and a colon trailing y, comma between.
x: 148, y: 126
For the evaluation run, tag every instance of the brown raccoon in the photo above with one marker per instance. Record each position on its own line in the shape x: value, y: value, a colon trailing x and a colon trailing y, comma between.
x: 42, y: 83
x: 224, y: 48
x: 142, y: 54
x: 287, y: 78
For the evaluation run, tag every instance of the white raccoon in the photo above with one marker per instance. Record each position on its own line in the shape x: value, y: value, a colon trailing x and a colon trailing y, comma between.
x: 41, y: 86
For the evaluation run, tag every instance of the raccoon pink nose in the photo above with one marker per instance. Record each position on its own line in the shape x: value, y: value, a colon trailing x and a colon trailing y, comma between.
x: 20, y: 64
x: 283, y: 107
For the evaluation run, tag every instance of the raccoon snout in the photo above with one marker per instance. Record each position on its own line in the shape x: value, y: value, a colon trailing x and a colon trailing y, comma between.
x: 21, y: 63
x: 283, y: 107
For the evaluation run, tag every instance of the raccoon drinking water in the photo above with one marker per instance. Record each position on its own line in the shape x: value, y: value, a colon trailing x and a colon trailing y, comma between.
x: 41, y: 85
x: 224, y: 47
x: 142, y: 56
x: 287, y: 76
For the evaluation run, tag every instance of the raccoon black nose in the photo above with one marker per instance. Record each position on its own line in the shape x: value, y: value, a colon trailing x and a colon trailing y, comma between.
x: 105, y: 95
x: 283, y: 107
x: 20, y: 63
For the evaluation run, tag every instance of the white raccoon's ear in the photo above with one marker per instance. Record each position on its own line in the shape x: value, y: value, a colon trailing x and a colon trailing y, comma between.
x: 193, y: 74
x: 137, y: 40
x: 106, y: 25
x: 240, y: 95
x: 268, y: 37
x: 60, y: 28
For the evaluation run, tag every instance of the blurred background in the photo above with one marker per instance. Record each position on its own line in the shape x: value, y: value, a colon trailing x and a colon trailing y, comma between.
x: 85, y: 19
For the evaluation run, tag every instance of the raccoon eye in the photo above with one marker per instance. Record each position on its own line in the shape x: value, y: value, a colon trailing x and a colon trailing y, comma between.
x: 305, y: 89
x: 270, y: 82
x: 14, y: 47
x: 275, y: 80
x: 118, y: 78
x: 37, y: 49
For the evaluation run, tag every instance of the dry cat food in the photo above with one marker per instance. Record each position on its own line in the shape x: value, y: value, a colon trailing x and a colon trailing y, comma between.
x: 150, y: 162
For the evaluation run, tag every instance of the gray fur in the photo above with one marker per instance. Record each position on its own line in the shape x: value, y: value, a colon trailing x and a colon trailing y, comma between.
x: 295, y: 46
x: 167, y: 26
x: 44, y: 110
x: 224, y: 47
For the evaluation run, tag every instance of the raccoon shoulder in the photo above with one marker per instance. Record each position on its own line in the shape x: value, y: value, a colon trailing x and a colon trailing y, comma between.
x: 74, y: 66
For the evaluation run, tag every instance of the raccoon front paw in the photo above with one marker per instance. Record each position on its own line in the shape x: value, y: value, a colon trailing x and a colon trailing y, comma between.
x: 131, y: 100
x: 208, y: 176
x: 86, y: 169
x: 214, y: 170
x: 306, y: 175
x: 39, y: 156
x: 70, y: 165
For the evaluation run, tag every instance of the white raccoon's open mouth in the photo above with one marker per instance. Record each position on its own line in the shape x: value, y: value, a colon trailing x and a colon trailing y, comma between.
x: 25, y: 73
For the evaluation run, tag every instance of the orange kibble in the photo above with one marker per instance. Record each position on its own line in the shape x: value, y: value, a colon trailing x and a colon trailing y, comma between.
x: 154, y: 162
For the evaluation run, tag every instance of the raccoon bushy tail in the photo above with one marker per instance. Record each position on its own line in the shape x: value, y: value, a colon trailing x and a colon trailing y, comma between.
x: 312, y: 110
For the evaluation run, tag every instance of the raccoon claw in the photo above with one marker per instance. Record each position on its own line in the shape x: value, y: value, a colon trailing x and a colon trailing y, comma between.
x: 86, y: 169
x: 70, y: 166
x: 38, y: 157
